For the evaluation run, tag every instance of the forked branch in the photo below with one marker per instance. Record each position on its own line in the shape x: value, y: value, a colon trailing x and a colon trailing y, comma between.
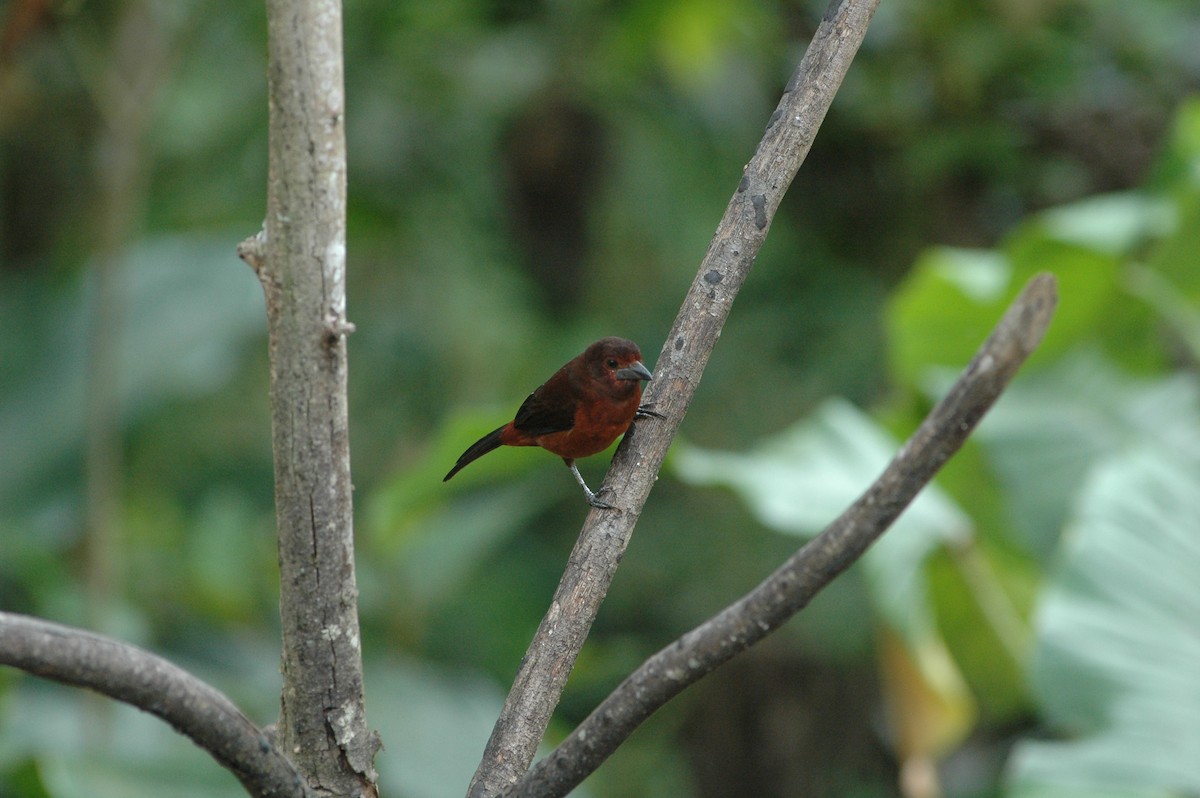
x: 606, y: 533
x: 793, y: 585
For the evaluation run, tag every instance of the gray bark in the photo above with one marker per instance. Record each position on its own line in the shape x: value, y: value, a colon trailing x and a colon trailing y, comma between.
x: 301, y: 261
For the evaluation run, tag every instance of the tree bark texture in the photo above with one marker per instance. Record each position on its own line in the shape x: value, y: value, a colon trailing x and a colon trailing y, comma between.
x: 735, y: 245
x: 301, y: 261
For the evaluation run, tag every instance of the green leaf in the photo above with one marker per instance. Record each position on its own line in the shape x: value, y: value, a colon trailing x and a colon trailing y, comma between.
x: 952, y: 298
x: 191, y: 306
x: 944, y: 309
x: 430, y: 536
x: 187, y: 307
x: 22, y: 780
x: 1180, y: 164
x: 1111, y: 223
x: 1052, y: 426
x: 798, y: 481
x: 399, y: 507
x: 104, y: 776
x: 1119, y: 639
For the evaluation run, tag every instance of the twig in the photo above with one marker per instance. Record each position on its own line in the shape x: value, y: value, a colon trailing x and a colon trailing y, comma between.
x: 605, y: 534
x: 150, y: 683
x: 793, y: 585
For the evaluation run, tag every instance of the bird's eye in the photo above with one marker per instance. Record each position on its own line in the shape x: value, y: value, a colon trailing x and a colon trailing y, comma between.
x: 612, y: 364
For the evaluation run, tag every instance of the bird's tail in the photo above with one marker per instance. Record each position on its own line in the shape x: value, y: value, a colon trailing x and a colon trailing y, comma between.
x: 477, y: 449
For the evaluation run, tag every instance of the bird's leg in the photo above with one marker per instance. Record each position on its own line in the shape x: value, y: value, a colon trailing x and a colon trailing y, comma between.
x: 647, y: 411
x: 592, y: 498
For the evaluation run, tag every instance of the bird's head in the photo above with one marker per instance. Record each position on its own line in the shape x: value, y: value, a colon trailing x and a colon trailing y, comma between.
x: 617, y: 363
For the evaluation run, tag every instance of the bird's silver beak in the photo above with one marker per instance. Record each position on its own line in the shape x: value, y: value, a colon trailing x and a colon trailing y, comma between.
x: 635, y: 372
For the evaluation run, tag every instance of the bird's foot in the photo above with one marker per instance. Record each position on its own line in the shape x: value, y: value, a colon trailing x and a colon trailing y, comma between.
x: 595, y: 500
x: 592, y: 498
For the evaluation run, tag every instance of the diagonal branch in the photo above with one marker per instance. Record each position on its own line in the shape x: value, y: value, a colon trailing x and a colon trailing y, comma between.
x: 606, y: 533
x: 792, y: 586
x: 150, y: 683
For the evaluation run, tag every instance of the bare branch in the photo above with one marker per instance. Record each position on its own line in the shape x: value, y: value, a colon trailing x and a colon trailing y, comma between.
x: 605, y: 534
x: 300, y: 258
x: 792, y: 586
x: 150, y: 683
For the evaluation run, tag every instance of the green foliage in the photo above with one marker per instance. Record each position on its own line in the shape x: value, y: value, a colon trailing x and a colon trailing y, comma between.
x: 1051, y: 429
x: 1113, y: 670
x: 803, y: 478
x: 53, y: 744
x: 1091, y: 462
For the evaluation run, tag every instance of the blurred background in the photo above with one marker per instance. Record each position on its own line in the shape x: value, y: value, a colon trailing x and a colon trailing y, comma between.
x: 526, y: 177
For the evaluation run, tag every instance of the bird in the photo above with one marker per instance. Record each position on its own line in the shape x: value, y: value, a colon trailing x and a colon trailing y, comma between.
x: 585, y: 406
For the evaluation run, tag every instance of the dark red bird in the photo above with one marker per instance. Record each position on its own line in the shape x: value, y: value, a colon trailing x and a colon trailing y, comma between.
x: 580, y: 411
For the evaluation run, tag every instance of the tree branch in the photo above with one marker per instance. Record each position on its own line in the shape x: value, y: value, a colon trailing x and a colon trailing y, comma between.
x: 606, y: 533
x: 792, y: 586
x: 301, y: 262
x: 150, y: 683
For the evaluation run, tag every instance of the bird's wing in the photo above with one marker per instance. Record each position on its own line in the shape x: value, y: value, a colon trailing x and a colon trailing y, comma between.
x: 546, y: 411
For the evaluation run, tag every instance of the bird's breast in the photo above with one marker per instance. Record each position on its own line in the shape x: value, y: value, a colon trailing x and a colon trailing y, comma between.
x: 597, y: 425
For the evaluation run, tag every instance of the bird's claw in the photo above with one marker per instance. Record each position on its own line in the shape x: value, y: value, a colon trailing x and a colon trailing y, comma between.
x: 647, y: 411
x: 595, y: 500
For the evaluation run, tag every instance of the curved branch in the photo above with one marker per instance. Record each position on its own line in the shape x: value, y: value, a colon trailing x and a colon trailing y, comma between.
x: 150, y: 683
x: 606, y: 533
x: 792, y: 586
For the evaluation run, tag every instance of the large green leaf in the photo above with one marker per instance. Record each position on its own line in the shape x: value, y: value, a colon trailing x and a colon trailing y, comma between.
x: 943, y: 309
x: 800, y: 480
x: 1119, y: 640
x: 946, y: 303
x: 1053, y: 425
x: 952, y: 297
x: 1112, y: 223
